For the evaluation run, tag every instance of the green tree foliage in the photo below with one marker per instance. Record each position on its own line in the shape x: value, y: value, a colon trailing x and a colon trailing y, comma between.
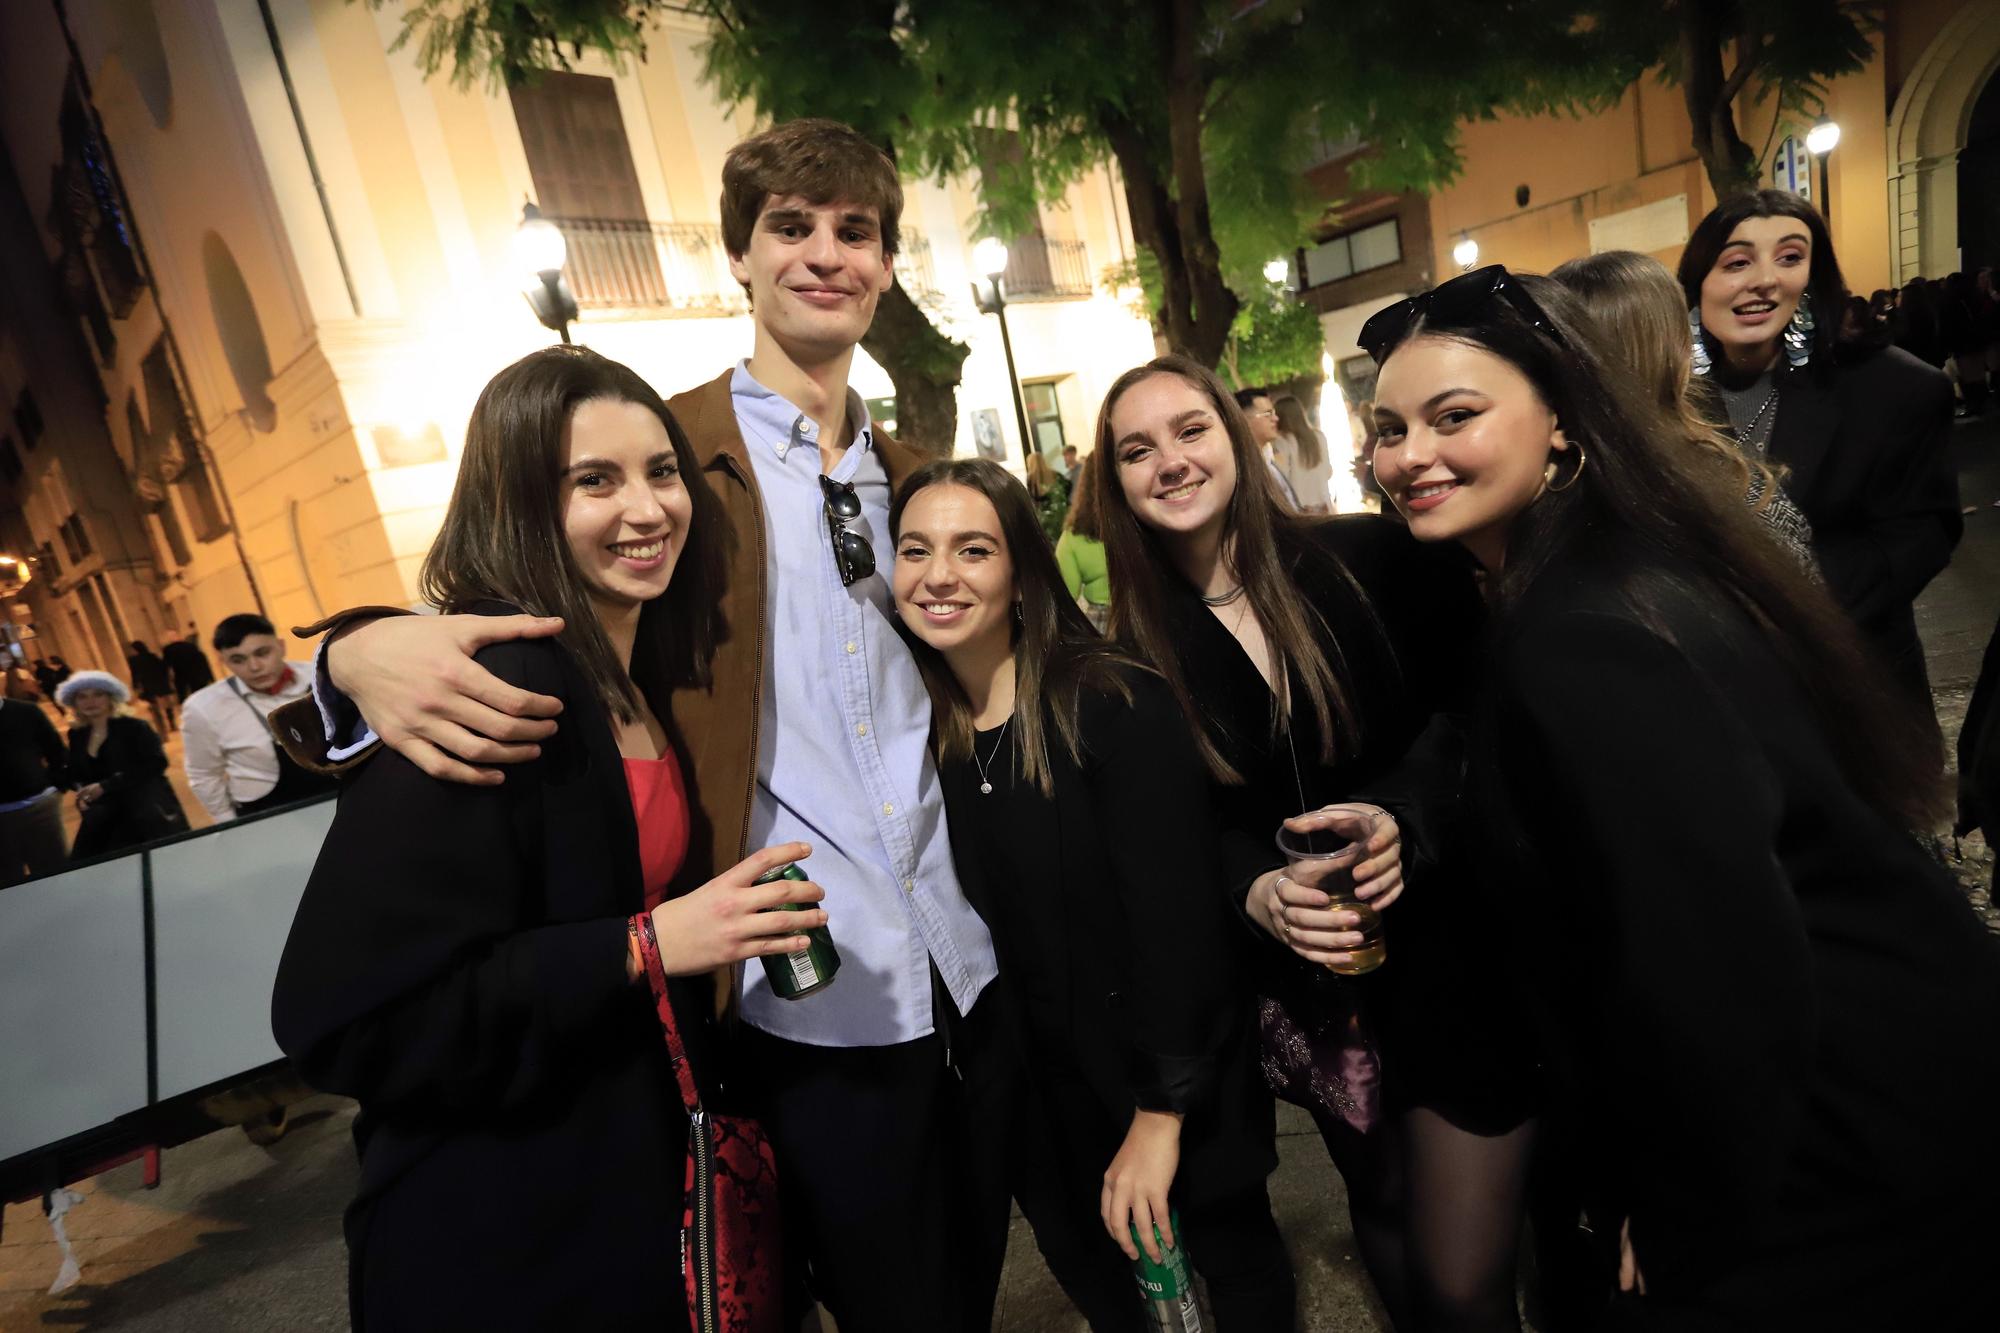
x: 1274, y: 340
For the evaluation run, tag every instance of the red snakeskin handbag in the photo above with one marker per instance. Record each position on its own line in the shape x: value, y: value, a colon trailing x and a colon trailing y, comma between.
x: 730, y: 1246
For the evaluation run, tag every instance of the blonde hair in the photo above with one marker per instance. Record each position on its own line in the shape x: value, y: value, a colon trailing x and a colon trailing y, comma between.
x: 1635, y: 301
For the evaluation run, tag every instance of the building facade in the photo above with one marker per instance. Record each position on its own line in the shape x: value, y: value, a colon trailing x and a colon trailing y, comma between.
x: 276, y: 268
x: 1539, y: 190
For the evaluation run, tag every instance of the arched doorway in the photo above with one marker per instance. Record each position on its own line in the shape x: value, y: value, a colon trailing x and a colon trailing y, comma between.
x: 1928, y: 132
x: 1979, y: 184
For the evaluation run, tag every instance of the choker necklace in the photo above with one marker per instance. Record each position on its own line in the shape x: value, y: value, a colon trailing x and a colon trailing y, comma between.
x: 1224, y: 599
x: 986, y: 783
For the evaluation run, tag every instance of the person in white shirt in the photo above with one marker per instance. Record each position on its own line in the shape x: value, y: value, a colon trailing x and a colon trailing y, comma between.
x: 234, y: 767
x: 1256, y: 405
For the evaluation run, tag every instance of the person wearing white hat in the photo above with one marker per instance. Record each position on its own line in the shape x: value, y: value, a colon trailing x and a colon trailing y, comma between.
x: 119, y: 768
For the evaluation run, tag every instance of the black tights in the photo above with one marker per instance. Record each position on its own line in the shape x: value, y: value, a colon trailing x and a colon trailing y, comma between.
x: 1463, y: 1225
x: 1437, y: 1216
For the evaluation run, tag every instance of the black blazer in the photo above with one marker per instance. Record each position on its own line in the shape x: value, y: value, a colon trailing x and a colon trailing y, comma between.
x: 1867, y: 448
x: 1778, y: 1012
x: 458, y: 966
x: 139, y: 803
x: 1118, y: 953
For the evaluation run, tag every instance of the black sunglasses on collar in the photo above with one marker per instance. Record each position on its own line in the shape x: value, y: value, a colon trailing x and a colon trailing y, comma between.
x: 1452, y: 301
x: 852, y: 555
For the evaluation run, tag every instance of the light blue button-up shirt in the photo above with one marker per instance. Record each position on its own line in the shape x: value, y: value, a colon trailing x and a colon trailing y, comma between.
x: 843, y: 760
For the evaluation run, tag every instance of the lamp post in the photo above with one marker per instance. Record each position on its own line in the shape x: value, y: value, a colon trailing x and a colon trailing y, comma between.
x: 990, y: 258
x: 540, y: 252
x: 1277, y: 271
x: 1466, y: 253
x: 1820, y: 142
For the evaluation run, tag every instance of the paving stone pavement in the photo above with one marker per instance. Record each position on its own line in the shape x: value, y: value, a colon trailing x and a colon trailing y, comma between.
x: 242, y: 1237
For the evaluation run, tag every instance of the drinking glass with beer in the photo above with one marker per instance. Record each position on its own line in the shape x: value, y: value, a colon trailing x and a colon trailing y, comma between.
x: 1321, y: 849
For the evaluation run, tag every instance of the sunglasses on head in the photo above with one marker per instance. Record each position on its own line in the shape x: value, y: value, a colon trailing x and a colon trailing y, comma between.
x: 1463, y: 296
x: 852, y: 555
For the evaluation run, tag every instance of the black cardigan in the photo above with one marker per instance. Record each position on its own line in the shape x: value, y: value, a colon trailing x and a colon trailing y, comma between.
x: 458, y: 966
x: 1115, y: 945
x: 1777, y: 1011
x: 139, y: 803
x: 1866, y: 446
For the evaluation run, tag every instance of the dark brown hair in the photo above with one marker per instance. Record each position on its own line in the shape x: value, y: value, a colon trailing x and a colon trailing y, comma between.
x: 1086, y: 515
x: 502, y: 538
x: 1261, y: 538
x: 1644, y: 490
x: 820, y: 161
x: 1057, y: 654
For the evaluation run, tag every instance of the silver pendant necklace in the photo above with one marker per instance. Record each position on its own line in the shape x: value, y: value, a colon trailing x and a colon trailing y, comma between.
x: 986, y: 783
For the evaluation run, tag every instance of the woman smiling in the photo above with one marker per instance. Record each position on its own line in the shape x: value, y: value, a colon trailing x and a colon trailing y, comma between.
x: 1777, y: 1015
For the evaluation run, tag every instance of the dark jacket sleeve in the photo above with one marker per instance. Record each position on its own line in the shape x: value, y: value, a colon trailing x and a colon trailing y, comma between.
x: 54, y: 752
x: 301, y: 728
x: 421, y: 975
x: 1683, y: 957
x: 135, y: 753
x: 1909, y: 520
x: 1151, y: 799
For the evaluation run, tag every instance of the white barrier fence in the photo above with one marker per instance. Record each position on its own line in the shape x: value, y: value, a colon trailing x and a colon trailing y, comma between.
x: 130, y: 981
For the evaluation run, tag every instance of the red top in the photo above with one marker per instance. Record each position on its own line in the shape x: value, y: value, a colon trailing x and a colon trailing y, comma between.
x: 660, y: 808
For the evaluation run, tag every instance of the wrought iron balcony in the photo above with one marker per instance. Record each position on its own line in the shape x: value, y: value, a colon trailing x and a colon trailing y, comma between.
x: 1039, y: 269
x: 681, y: 267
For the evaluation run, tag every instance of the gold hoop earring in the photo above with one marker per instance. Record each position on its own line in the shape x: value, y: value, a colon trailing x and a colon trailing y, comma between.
x: 1549, y: 481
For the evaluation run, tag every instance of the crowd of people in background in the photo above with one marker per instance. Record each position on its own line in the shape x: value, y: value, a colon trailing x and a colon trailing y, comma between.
x: 113, y: 767
x: 1952, y: 323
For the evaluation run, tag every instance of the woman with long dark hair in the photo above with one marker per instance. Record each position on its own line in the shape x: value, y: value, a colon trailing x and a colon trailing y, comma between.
x: 1080, y: 822
x: 476, y: 965
x: 1861, y: 430
x: 1778, y: 1014
x: 1308, y: 656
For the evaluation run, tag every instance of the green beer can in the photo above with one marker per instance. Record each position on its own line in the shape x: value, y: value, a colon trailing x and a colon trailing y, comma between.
x: 794, y: 976
x: 1167, y: 1288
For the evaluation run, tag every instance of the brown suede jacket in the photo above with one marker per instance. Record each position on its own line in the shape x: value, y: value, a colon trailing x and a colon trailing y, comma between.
x: 714, y: 728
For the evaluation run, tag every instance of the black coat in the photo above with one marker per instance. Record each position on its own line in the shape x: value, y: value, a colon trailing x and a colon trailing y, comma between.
x: 1866, y: 447
x: 1777, y: 1011
x: 458, y: 966
x: 1118, y: 952
x: 138, y: 804
x: 189, y: 666
x: 1404, y: 621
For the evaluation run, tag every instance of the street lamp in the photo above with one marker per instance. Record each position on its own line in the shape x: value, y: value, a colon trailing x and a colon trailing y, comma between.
x: 1466, y: 253
x: 1276, y: 271
x: 990, y: 257
x: 1820, y: 142
x: 540, y: 253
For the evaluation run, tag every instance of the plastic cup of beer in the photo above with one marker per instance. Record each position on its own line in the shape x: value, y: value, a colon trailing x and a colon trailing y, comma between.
x: 1323, y: 857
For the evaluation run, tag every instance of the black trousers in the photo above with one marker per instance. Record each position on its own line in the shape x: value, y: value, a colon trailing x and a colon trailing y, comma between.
x: 895, y: 1209
x: 1060, y: 1144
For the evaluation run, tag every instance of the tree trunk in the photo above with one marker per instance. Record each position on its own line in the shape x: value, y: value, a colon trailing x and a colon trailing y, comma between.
x: 924, y: 366
x: 1196, y: 305
x: 1711, y: 95
x: 1214, y: 304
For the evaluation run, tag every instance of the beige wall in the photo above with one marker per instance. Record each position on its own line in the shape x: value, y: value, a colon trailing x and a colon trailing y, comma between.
x: 1641, y: 152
